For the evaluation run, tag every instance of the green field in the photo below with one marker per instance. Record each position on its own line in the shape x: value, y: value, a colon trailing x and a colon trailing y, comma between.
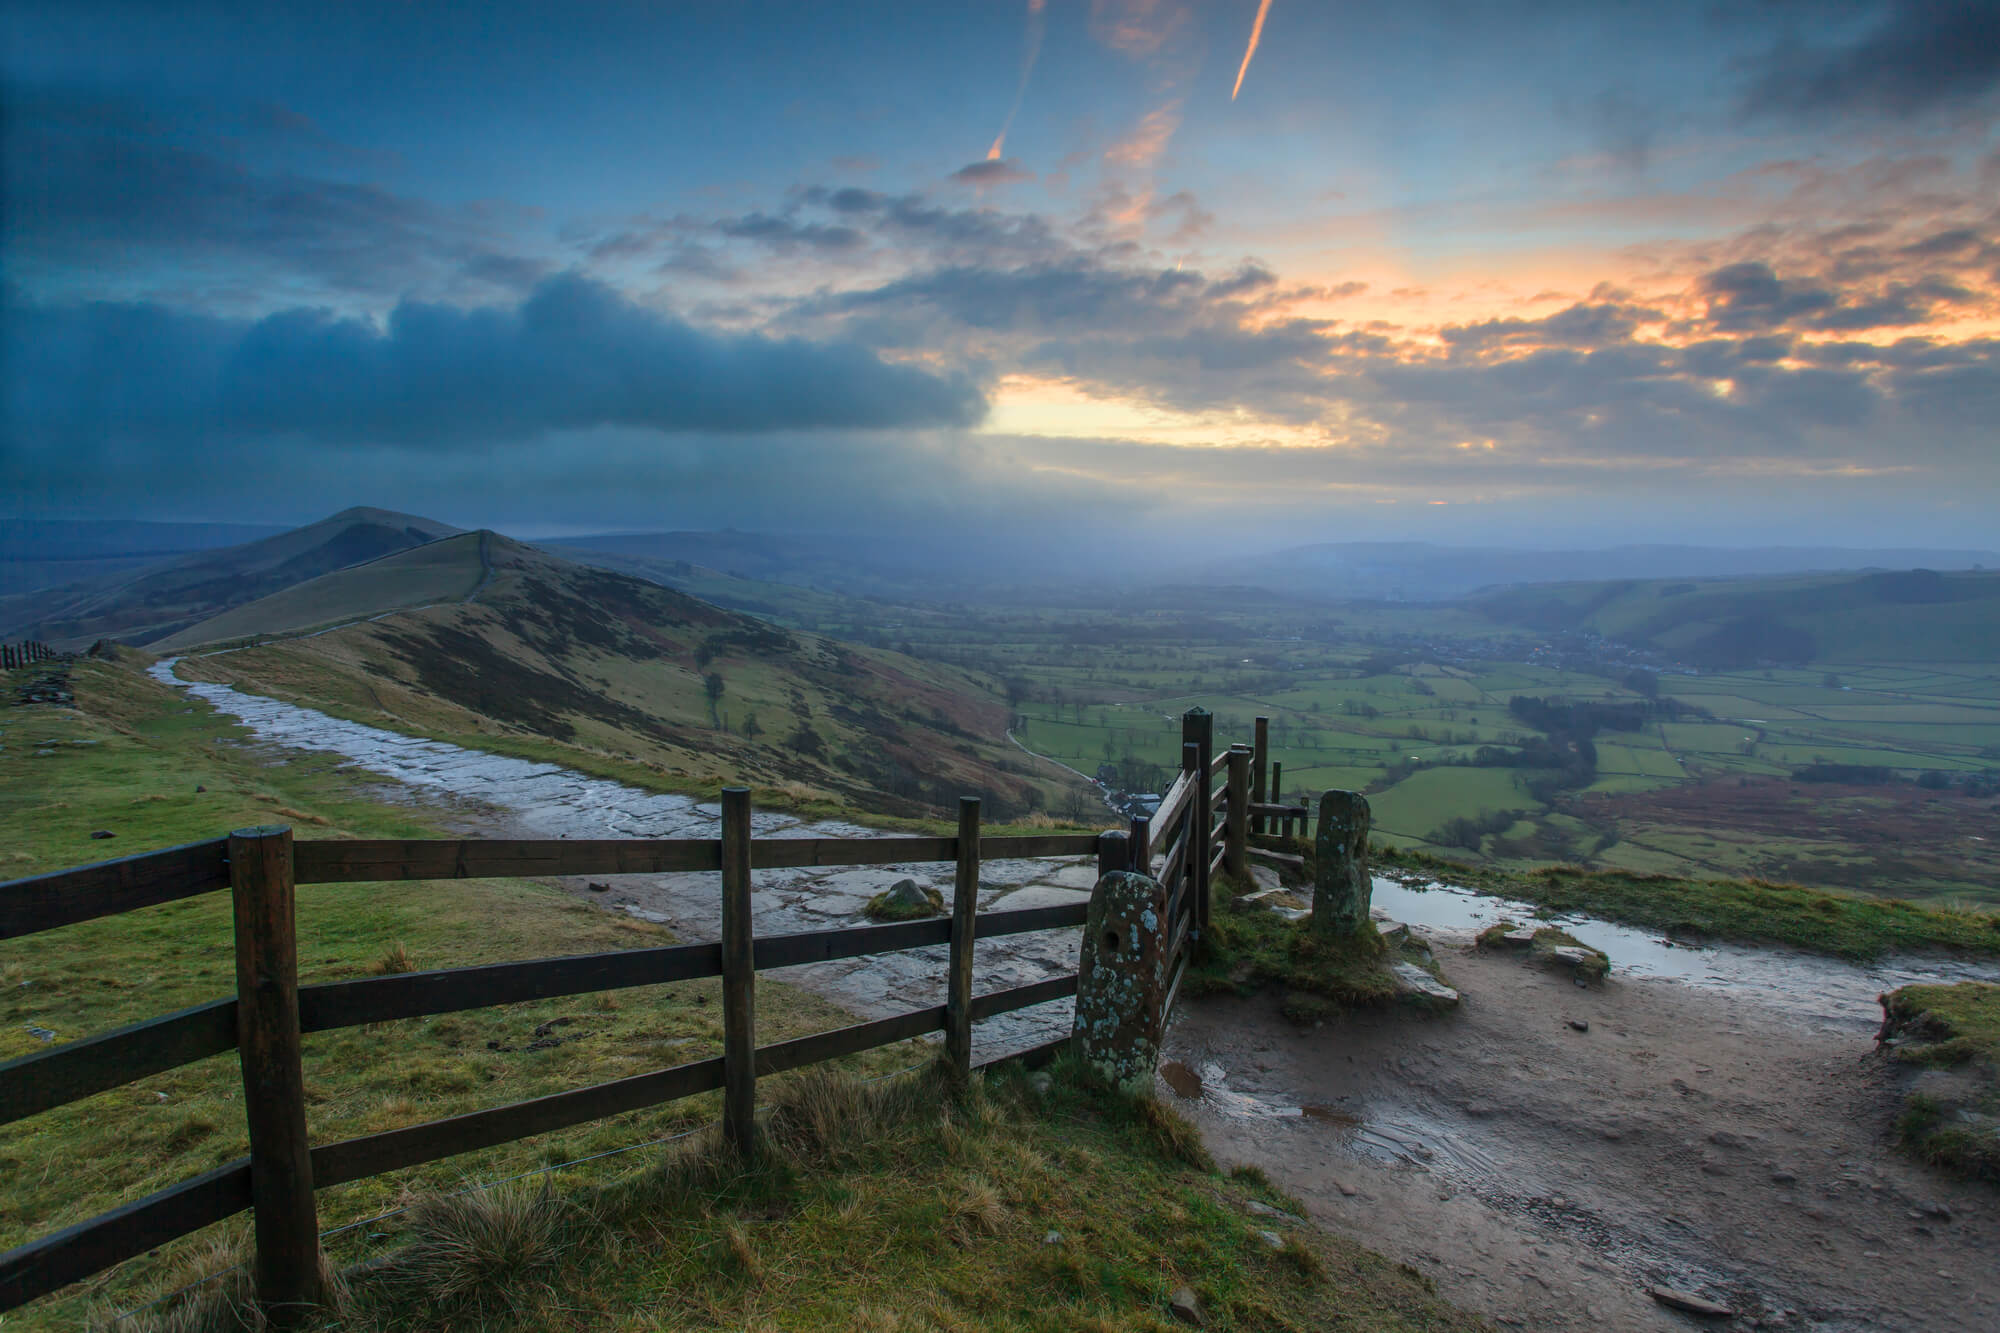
x: 1394, y: 701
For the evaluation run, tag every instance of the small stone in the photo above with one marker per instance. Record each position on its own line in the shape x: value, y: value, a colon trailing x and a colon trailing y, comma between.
x: 1580, y: 1024
x: 1041, y: 1081
x: 1053, y: 1238
x: 101, y: 834
x: 1932, y: 1208
x: 1348, y: 1190
x: 1522, y: 937
x: 1184, y: 1307
x: 595, y: 887
x: 1271, y: 1239
x: 199, y: 788
x: 1783, y: 1178
x: 40, y: 1033
x: 1689, y: 1303
x: 1412, y: 982
x: 1258, y: 1208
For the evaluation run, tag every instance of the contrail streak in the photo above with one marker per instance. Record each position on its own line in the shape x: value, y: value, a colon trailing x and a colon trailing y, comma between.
x: 1034, y: 51
x: 1256, y: 34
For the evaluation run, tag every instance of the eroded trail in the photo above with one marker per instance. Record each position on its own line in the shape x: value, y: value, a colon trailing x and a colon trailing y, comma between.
x: 1548, y: 1177
x: 492, y: 795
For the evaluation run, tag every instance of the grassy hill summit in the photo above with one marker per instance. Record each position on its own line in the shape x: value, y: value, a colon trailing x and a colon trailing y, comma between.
x: 144, y: 606
x: 510, y: 648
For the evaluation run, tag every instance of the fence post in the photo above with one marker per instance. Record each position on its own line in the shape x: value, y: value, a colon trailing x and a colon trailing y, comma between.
x: 1113, y: 852
x: 1198, y: 730
x: 964, y: 910
x: 739, y: 978
x: 1282, y: 824
x: 1259, y: 765
x: 1236, y: 833
x: 1141, y: 843
x: 263, y: 897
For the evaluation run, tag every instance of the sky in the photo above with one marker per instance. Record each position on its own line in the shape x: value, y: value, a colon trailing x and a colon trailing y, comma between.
x: 1094, y: 272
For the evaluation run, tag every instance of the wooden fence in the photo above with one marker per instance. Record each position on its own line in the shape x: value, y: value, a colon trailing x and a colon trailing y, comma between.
x: 1198, y: 831
x: 14, y: 655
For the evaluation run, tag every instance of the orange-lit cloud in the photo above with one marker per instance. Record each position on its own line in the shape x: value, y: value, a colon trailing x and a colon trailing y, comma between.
x: 1031, y: 53
x: 1256, y: 35
x: 1144, y: 145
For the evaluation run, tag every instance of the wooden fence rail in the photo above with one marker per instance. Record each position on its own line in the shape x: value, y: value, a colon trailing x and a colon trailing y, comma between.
x: 1196, y: 832
x: 271, y: 1011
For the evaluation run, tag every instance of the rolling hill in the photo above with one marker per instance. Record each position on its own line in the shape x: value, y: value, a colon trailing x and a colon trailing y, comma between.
x: 45, y: 553
x: 1422, y: 572
x: 581, y: 665
x: 447, y: 570
x: 144, y: 606
x: 1916, y: 615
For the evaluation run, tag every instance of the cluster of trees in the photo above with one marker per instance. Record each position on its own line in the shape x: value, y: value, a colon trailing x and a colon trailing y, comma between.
x: 1469, y: 831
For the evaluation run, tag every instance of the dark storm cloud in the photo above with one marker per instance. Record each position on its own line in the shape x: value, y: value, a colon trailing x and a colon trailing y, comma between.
x: 993, y: 171
x: 1075, y: 294
x: 90, y: 175
x: 1581, y: 325
x: 783, y: 233
x: 1923, y: 55
x: 1749, y: 296
x: 572, y: 355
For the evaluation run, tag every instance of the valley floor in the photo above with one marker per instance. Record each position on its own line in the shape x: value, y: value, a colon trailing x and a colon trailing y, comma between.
x: 1548, y: 1177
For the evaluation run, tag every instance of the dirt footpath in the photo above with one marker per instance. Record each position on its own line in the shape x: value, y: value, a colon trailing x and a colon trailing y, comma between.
x: 1549, y: 1177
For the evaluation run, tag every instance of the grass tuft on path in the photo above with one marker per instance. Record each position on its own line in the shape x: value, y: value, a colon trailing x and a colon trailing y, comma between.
x: 1248, y: 947
x: 1588, y: 963
x: 1952, y: 1115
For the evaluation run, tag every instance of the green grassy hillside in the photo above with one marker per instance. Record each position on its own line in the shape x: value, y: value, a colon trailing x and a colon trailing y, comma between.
x: 1899, y: 616
x: 448, y: 570
x: 160, y: 600
x: 562, y: 661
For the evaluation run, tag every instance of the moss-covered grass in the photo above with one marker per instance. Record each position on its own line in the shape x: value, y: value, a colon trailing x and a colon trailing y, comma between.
x: 1247, y: 948
x: 1588, y: 963
x: 1748, y: 910
x: 886, y: 906
x: 1028, y: 1204
x: 1956, y: 1124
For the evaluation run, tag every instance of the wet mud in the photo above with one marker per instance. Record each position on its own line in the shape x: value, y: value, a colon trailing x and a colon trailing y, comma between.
x: 1693, y: 1137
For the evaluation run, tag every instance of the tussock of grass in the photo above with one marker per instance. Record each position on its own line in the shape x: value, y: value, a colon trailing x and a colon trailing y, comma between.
x: 394, y: 959
x: 1954, y: 1027
x: 483, y: 1254
x: 1750, y: 910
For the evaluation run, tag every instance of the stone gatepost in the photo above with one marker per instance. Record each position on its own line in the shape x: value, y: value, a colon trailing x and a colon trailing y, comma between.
x: 1121, y: 992
x: 1341, y: 886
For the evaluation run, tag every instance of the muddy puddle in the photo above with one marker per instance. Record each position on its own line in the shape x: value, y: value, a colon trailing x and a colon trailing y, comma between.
x: 1821, y: 990
x: 1381, y: 1131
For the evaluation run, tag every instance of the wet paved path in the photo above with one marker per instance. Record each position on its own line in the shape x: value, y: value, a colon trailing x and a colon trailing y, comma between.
x: 511, y: 797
